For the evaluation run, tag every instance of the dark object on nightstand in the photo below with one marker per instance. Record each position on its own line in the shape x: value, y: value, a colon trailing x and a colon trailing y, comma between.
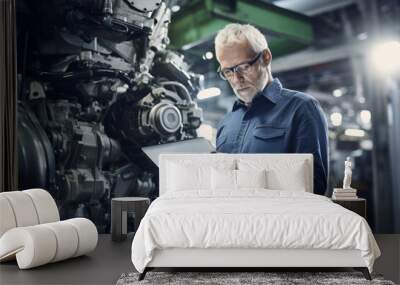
x: 119, y: 214
x: 357, y: 205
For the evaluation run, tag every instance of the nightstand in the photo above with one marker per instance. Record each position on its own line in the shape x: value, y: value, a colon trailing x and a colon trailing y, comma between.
x: 120, y: 207
x: 357, y: 205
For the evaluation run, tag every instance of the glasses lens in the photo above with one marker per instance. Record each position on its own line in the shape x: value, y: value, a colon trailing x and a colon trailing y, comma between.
x: 225, y: 74
x: 243, y: 68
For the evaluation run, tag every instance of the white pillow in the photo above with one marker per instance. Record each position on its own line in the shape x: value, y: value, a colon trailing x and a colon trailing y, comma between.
x: 230, y: 180
x: 251, y: 178
x: 283, y: 174
x: 194, y: 173
x: 223, y: 179
x: 188, y: 177
x: 293, y: 179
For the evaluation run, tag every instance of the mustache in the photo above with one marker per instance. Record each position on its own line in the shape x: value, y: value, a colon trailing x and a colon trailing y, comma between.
x: 248, y: 85
x: 243, y: 87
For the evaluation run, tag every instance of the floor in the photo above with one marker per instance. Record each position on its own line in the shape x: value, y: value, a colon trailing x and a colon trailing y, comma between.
x: 110, y: 260
x: 103, y: 266
x: 389, y: 262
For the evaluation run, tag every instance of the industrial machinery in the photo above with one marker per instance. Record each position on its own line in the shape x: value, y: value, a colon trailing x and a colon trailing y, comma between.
x: 96, y: 84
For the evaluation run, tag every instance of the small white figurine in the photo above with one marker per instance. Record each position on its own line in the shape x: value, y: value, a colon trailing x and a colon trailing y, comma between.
x: 347, y: 174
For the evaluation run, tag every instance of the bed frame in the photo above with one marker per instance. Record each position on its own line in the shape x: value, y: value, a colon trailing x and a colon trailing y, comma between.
x: 246, y: 258
x: 242, y: 259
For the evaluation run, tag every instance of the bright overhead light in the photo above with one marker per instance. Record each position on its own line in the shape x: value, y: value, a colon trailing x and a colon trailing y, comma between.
x: 361, y: 100
x: 209, y: 55
x: 175, y: 8
x: 366, y: 144
x: 365, y: 117
x: 336, y: 119
x: 385, y: 57
x: 337, y: 93
x: 208, y: 93
x: 354, y: 133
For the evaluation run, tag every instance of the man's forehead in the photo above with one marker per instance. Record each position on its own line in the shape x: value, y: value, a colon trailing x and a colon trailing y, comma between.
x: 235, y: 54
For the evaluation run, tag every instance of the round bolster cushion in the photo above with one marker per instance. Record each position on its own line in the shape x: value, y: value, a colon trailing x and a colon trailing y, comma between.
x: 22, y: 208
x: 7, y: 218
x: 26, y: 208
x: 40, y: 244
x: 45, y: 205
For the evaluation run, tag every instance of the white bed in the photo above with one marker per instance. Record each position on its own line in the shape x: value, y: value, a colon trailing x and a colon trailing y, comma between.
x: 210, y: 226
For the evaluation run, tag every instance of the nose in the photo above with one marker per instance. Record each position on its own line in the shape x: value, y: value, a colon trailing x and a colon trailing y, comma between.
x: 237, y: 78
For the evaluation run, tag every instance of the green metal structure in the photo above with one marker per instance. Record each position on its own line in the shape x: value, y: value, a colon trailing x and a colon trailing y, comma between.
x: 195, y: 26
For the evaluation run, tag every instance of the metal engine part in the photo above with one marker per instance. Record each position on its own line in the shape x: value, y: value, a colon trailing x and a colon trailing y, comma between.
x: 97, y: 83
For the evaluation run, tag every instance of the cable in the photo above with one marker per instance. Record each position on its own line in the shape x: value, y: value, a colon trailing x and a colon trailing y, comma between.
x: 180, y: 85
x: 87, y: 74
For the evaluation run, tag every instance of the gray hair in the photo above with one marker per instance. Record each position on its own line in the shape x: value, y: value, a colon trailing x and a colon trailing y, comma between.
x: 237, y: 33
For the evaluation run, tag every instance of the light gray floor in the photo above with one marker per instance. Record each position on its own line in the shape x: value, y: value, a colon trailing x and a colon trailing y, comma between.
x: 110, y: 260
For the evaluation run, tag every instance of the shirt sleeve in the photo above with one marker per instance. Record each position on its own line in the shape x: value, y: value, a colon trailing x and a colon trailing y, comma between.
x: 311, y: 136
x: 220, y: 127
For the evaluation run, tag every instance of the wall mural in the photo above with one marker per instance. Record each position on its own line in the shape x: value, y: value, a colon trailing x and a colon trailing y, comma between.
x: 97, y: 84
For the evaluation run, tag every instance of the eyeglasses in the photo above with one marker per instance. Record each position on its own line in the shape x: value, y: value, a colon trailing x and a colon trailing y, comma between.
x: 243, y: 68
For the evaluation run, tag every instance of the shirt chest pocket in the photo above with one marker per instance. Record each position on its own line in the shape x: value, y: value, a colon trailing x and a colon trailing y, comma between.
x: 268, y: 139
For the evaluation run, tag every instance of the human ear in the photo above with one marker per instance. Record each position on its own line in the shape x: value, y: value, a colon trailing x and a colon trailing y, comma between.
x: 266, y: 56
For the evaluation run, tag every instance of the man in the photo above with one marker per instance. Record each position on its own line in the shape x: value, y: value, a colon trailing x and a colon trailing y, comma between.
x: 266, y: 118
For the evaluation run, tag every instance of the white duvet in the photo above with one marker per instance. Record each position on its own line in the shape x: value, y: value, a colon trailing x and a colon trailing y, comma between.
x: 250, y: 219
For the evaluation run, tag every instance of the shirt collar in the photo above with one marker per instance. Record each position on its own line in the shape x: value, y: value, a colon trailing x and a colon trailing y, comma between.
x: 272, y: 92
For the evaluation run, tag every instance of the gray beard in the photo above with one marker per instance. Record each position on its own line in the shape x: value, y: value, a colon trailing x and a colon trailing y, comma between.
x: 260, y: 85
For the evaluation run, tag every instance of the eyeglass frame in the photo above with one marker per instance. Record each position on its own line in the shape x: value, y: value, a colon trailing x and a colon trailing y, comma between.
x: 234, y: 68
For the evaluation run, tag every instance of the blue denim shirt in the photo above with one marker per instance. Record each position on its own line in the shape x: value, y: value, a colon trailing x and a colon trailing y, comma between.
x: 279, y: 120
